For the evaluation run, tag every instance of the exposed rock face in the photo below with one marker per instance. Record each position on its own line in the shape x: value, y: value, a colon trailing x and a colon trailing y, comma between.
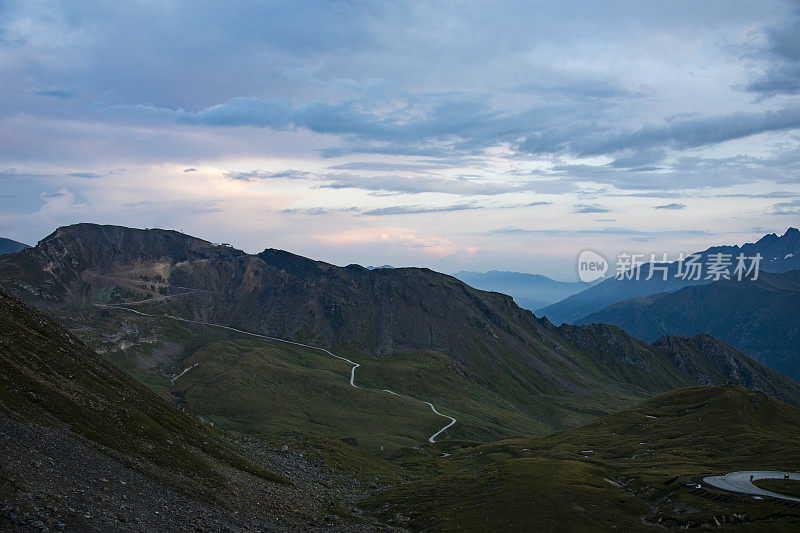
x: 712, y: 362
x: 278, y: 293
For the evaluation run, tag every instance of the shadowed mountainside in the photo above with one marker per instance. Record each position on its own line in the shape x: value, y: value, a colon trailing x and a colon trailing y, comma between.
x: 779, y: 254
x: 7, y: 246
x: 86, y: 447
x: 53, y: 379
x: 760, y: 318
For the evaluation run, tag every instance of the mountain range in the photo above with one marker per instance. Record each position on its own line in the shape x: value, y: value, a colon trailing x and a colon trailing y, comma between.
x: 212, y: 335
x: 412, y: 330
x: 85, y: 447
x: 759, y: 317
x: 779, y: 254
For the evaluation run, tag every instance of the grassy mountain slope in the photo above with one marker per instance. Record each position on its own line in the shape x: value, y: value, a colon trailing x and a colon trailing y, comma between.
x: 86, y: 447
x: 53, y: 379
x: 118, y: 453
x: 622, y: 472
x: 256, y: 386
x: 760, y: 318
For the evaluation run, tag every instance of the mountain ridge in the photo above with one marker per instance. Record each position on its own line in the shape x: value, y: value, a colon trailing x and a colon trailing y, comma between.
x: 780, y: 254
x: 406, y: 325
x: 759, y: 317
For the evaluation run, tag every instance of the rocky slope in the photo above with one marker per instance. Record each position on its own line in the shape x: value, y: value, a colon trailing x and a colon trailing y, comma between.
x: 712, y: 362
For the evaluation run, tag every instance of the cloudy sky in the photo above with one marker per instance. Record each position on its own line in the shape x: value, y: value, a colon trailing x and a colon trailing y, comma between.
x: 441, y: 134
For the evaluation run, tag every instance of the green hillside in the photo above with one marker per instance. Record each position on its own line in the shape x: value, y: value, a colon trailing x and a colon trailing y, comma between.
x: 256, y: 386
x: 85, y: 447
x: 626, y: 471
x: 51, y: 378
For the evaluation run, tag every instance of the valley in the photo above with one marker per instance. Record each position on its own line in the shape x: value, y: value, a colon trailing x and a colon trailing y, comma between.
x: 402, y: 267
x: 500, y: 370
x: 251, y: 359
x: 411, y: 423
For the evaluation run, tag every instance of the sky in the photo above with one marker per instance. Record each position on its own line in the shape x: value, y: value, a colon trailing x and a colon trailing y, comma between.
x: 452, y: 135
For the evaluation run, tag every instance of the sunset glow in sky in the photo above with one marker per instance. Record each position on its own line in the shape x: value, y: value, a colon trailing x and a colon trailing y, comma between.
x: 458, y: 136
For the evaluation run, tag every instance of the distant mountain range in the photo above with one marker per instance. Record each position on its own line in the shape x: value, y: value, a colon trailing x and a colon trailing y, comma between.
x: 780, y: 254
x: 7, y: 246
x: 436, y: 337
x: 530, y: 291
x: 761, y: 317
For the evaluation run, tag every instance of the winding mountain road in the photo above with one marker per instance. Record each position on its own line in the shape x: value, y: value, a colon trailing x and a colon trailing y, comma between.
x: 431, y: 439
x: 740, y: 482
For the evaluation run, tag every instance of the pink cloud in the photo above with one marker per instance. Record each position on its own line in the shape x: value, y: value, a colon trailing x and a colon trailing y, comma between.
x: 428, y: 244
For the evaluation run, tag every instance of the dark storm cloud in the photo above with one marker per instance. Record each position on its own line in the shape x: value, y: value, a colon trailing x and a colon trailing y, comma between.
x: 678, y: 133
x: 422, y: 184
x: 86, y: 175
x: 471, y: 125
x: 55, y: 93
